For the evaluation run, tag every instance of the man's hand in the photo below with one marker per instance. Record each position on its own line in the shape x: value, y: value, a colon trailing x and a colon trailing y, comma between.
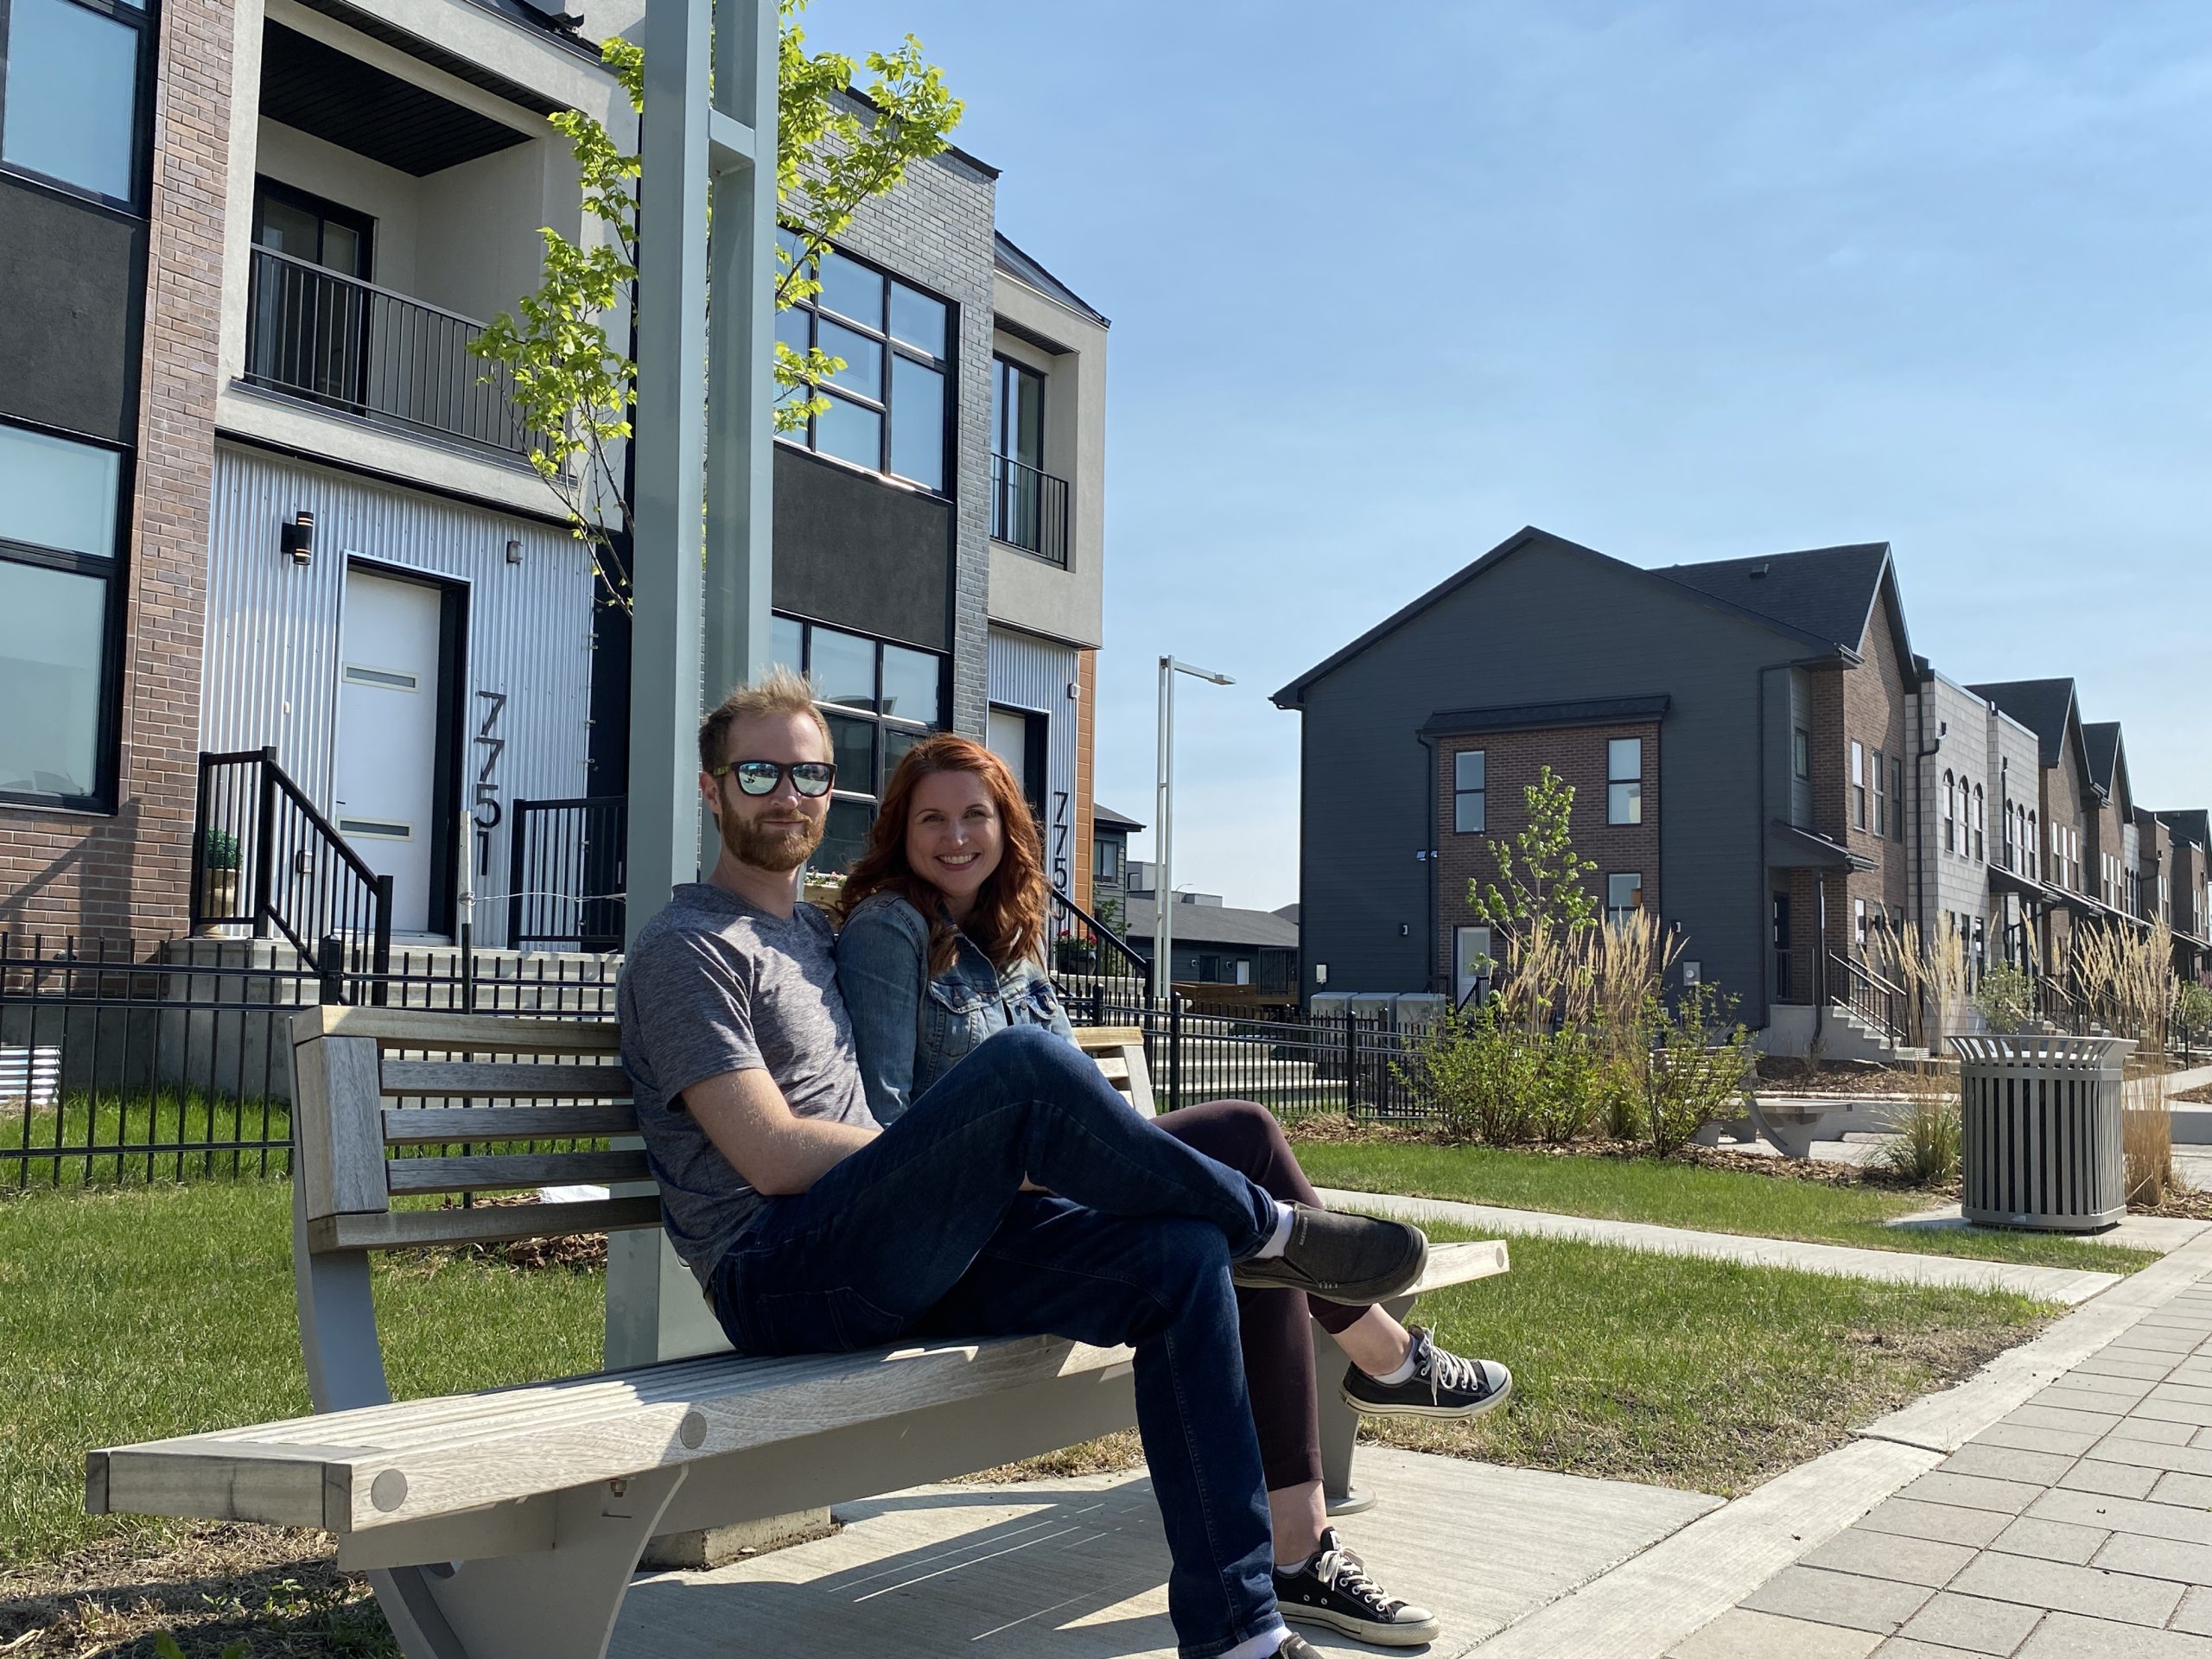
x: 744, y: 1114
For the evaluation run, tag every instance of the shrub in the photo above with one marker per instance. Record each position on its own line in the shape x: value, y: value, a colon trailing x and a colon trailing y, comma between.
x: 1482, y: 1077
x: 2007, y: 998
x: 219, y: 850
x: 2193, y: 1011
x: 1698, y: 1070
x: 1926, y: 1151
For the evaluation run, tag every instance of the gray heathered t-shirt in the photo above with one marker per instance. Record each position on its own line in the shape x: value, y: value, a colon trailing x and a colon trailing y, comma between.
x: 712, y: 985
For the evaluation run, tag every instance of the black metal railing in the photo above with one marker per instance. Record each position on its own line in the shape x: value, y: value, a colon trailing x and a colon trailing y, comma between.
x: 368, y: 352
x: 126, y: 1060
x: 263, y: 858
x: 566, y: 871
x: 1855, y: 986
x: 1029, y: 509
x: 1103, y: 981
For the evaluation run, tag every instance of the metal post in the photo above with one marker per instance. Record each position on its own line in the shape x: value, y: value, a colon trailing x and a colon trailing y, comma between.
x: 380, y: 958
x: 518, y: 836
x: 264, y: 844
x: 194, y: 912
x: 695, y: 142
x: 1163, y: 895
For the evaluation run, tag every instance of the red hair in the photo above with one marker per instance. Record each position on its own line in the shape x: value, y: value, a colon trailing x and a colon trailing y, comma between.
x: 1009, y: 919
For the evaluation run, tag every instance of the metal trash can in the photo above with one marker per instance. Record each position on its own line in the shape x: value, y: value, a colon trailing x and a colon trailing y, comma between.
x: 2041, y: 1130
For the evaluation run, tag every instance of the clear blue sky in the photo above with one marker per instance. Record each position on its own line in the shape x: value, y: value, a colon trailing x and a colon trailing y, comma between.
x: 1679, y: 280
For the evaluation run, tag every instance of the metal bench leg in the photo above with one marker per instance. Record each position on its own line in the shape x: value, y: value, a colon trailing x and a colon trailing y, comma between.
x: 1339, y: 1422
x: 555, y: 1604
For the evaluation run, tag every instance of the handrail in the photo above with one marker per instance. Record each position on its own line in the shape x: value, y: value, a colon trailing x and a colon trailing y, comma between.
x: 1871, y: 996
x: 1122, y: 947
x: 280, y: 257
x: 569, y: 852
x: 1029, y: 509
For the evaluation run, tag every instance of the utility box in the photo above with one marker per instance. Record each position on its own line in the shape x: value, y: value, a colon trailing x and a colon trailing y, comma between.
x: 2041, y: 1139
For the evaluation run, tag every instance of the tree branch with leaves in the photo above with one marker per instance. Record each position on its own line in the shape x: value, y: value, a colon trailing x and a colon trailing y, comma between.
x: 574, y: 387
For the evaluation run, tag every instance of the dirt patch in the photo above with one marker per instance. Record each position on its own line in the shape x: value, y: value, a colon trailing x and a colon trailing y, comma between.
x: 1779, y: 1075
x: 273, y: 1589
x: 1110, y: 1455
x: 576, y: 1253
x: 2200, y: 1096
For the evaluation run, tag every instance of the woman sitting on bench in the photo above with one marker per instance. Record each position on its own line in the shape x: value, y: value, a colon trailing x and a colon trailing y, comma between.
x: 942, y: 945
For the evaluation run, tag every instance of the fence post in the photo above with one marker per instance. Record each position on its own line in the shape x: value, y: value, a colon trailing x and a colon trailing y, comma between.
x: 380, y: 957
x: 194, y: 909
x: 1352, y: 1065
x: 330, y: 969
x: 517, y: 823
x: 1175, y: 1048
x: 264, y: 844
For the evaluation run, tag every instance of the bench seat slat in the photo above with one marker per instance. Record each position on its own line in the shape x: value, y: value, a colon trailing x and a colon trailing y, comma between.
x: 485, y: 1225
x: 430, y: 1031
x: 405, y: 1125
x: 483, y: 1079
x: 486, y: 1172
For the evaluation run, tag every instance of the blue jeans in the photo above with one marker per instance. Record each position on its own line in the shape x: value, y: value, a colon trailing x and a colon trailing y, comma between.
x: 926, y: 1231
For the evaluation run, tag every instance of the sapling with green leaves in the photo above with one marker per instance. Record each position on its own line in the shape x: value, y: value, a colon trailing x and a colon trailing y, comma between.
x: 573, y: 385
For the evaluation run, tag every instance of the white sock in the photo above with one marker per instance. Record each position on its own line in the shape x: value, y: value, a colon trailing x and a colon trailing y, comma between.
x: 1272, y: 1247
x: 1401, y: 1373
x: 1260, y: 1646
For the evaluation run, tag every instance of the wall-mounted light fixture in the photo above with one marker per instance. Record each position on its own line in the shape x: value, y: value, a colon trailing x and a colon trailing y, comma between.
x: 298, y: 538
x: 514, y: 552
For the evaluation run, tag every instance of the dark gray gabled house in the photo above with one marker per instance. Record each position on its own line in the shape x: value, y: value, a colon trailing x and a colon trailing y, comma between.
x: 1737, y: 734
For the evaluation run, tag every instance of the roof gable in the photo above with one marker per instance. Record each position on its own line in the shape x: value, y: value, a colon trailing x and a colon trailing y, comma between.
x: 2192, y: 825
x: 2107, y: 756
x: 1827, y: 592
x: 2044, y: 707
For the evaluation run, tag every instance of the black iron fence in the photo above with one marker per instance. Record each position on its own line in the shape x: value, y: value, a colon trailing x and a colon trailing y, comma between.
x: 368, y: 352
x: 122, y: 1061
x: 264, y: 861
x: 567, y: 869
x: 1029, y: 509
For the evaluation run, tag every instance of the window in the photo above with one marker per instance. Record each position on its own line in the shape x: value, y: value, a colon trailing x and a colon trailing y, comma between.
x: 1470, y: 966
x: 1625, y: 780
x: 2012, y: 833
x: 1857, y: 783
x: 1950, y: 813
x: 1106, y: 861
x: 1859, y: 924
x: 69, y: 104
x: 1980, y: 827
x: 1467, y: 770
x: 887, y: 406
x: 1897, y: 798
x: 879, y: 700
x: 1881, y: 796
x: 2035, y: 849
x: 60, y: 505
x: 1800, y: 754
x: 1624, y: 898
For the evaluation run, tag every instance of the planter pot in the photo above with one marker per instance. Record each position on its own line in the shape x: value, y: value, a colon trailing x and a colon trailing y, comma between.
x: 2041, y: 1143
x: 219, y: 897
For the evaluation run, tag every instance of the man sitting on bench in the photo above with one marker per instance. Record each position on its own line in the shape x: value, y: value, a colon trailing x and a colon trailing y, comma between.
x: 1027, y: 1199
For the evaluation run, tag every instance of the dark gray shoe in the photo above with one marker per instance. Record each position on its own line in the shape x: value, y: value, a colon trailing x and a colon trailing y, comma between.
x: 1351, y: 1259
x: 1295, y: 1646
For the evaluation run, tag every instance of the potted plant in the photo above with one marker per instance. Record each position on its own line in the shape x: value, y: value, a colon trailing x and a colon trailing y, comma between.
x: 219, y: 879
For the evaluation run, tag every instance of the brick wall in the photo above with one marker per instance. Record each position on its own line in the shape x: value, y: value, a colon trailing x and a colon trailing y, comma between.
x: 126, y: 874
x: 2065, y: 797
x: 1864, y: 703
x: 1514, y: 761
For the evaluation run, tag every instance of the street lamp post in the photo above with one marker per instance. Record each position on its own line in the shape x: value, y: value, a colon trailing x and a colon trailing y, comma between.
x: 1163, y: 889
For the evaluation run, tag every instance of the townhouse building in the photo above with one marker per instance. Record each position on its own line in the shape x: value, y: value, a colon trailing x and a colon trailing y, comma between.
x: 1758, y: 755
x: 272, y: 547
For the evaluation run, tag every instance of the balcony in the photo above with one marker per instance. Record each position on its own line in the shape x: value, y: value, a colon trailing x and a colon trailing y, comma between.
x: 379, y: 356
x: 1029, y: 510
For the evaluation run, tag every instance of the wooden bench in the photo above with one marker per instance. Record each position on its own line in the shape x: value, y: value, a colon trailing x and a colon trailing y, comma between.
x: 508, y: 1523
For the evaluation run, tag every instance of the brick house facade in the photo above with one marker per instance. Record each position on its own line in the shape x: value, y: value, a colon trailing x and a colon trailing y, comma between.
x: 117, y: 873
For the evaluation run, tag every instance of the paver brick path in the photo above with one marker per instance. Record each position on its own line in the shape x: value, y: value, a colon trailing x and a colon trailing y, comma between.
x: 2079, y: 1526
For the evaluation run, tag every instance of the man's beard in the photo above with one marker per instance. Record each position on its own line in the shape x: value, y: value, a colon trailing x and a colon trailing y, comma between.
x: 778, y: 848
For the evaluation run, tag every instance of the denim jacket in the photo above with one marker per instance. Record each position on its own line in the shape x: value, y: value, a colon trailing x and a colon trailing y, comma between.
x: 910, y: 1029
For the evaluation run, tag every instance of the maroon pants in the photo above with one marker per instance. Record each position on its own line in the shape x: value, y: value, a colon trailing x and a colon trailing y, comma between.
x: 1278, y: 1348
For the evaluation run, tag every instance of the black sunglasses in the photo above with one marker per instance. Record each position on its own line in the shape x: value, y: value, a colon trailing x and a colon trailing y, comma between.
x: 809, y: 777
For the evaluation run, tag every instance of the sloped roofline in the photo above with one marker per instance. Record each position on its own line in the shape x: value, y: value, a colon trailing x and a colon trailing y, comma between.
x: 1294, y: 695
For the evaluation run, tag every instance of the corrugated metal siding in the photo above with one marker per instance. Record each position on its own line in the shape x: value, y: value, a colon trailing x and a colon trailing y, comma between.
x: 271, y: 667
x: 1026, y: 673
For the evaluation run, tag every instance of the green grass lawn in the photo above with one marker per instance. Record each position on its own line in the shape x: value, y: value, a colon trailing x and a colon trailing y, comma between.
x: 1685, y: 1195
x: 81, y: 1122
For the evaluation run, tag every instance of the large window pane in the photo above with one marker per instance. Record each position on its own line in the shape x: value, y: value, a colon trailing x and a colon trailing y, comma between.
x: 863, y: 370
x: 895, y: 745
x: 850, y: 433
x: 845, y: 836
x: 1623, y: 759
x: 784, y: 643
x: 792, y: 328
x: 912, y: 684
x: 844, y: 669
x: 851, y: 290
x: 53, y: 625
x: 71, y: 96
x: 1467, y: 769
x: 918, y: 318
x: 58, y: 494
x: 1624, y: 803
x: 852, y: 746
x: 917, y: 423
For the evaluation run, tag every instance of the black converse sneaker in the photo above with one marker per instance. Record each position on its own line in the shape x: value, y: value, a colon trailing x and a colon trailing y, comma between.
x: 1443, y: 1385
x: 1334, y: 1589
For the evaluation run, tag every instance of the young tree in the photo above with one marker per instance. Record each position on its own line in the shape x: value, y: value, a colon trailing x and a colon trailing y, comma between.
x: 1541, y: 873
x: 574, y: 386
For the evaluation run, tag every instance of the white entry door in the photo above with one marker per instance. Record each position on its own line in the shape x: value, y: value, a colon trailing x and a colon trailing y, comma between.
x: 386, y: 775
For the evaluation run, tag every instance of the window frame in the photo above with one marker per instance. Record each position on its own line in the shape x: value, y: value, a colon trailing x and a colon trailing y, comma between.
x: 1800, y: 754
x: 1614, y: 782
x: 1897, y: 798
x: 1881, y: 797
x: 1479, y: 794
x: 1617, y: 915
x: 872, y: 797
x: 947, y: 368
x: 1858, y: 784
x: 114, y: 568
x: 1950, y: 811
x: 146, y: 20
x: 1980, y: 826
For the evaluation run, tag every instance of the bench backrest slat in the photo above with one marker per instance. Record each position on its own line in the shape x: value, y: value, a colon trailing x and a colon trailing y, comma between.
x: 453, y: 1125
x: 481, y: 1079
x: 487, y: 1171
